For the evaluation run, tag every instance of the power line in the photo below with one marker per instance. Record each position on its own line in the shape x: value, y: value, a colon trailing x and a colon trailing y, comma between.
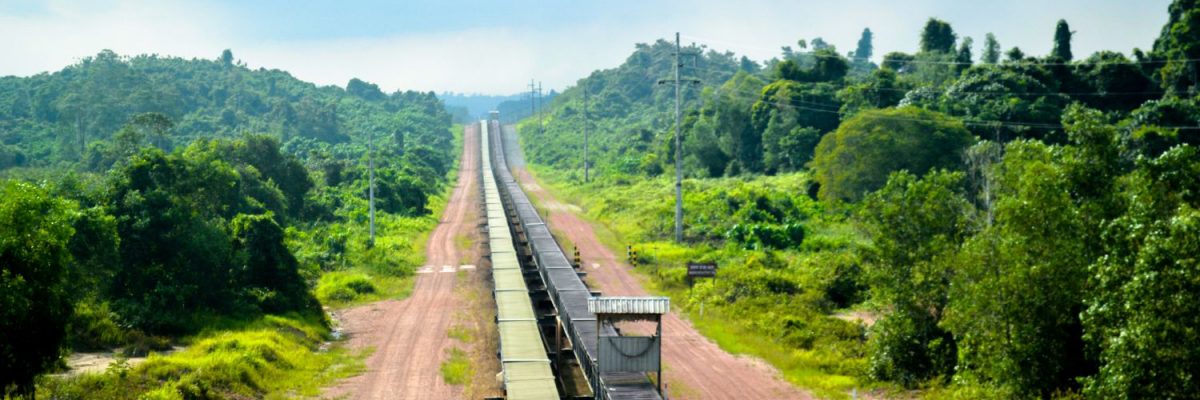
x: 998, y: 92
x: 816, y: 107
x: 1068, y: 63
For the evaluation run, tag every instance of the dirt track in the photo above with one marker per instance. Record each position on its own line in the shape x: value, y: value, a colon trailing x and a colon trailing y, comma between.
x: 410, y: 336
x: 696, y: 368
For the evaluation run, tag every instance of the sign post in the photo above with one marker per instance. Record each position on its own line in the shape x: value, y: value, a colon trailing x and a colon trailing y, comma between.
x: 700, y: 270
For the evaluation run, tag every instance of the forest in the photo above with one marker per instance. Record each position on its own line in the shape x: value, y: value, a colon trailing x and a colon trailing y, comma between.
x: 964, y: 222
x: 153, y: 202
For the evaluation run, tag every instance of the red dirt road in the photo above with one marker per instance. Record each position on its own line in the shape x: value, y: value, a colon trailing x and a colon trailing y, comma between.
x: 696, y: 368
x: 410, y: 335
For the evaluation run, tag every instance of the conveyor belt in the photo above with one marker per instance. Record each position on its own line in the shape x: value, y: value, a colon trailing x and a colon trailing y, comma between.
x: 526, y: 368
x: 566, y: 290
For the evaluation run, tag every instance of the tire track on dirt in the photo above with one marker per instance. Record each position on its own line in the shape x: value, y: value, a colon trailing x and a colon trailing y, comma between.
x: 410, y: 335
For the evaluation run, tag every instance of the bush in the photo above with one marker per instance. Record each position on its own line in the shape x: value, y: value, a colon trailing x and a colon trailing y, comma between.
x: 94, y: 327
x: 343, y: 286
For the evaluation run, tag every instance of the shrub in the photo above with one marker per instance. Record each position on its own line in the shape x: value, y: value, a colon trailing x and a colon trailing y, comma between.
x: 343, y: 286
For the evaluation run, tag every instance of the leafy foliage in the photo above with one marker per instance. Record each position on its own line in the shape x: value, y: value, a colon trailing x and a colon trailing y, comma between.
x: 35, y: 304
x: 857, y: 158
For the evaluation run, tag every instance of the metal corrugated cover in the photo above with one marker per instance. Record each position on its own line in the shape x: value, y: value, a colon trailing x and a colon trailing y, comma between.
x: 629, y: 305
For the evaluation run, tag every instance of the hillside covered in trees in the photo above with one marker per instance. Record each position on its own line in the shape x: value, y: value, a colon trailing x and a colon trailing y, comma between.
x: 152, y: 200
x: 1005, y: 225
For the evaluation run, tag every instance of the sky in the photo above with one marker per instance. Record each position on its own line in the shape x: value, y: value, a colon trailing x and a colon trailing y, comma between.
x: 496, y: 47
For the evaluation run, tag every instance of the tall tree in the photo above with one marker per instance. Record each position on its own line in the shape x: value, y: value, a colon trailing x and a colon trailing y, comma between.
x: 34, y: 301
x: 1179, y: 46
x: 991, y: 49
x: 914, y: 224
x: 862, y: 54
x: 963, y: 59
x: 1016, y: 297
x: 938, y: 36
x: 1062, y: 41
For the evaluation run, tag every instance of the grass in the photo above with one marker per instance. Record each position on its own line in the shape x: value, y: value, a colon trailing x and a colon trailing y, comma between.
x: 457, y: 370
x: 272, y: 357
x: 339, y: 289
x: 460, y: 333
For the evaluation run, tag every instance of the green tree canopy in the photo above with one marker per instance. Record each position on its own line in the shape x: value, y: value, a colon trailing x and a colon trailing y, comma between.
x: 34, y: 301
x: 858, y: 157
x: 937, y: 36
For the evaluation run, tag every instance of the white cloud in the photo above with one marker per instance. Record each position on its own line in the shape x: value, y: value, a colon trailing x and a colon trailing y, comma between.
x: 68, y: 31
x: 501, y: 59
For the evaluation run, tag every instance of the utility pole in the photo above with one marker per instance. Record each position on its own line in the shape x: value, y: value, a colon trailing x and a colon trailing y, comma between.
x: 539, y: 107
x: 678, y: 140
x: 585, y: 133
x: 371, y: 183
x: 532, y: 105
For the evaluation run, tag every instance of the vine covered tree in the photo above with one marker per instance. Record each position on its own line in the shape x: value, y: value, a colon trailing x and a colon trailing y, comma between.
x: 1062, y: 41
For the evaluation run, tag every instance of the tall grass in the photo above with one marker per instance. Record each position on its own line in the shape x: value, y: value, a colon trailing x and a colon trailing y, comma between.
x: 271, y: 357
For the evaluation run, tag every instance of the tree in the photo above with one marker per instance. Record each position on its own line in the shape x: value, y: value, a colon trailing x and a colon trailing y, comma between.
x: 174, y: 245
x: 1142, y: 307
x: 731, y: 110
x: 819, y: 44
x: 897, y: 61
x: 1015, y: 302
x: 264, y: 267
x: 1015, y: 55
x: 365, y: 90
x: 227, y: 58
x: 879, y: 90
x: 963, y: 58
x: 1179, y: 46
x: 858, y: 157
x: 34, y: 301
x: 1118, y: 83
x: 991, y: 49
x: 1062, y: 41
x: 862, y: 54
x: 937, y: 36
x: 992, y: 97
x: 787, y: 146
x: 914, y: 225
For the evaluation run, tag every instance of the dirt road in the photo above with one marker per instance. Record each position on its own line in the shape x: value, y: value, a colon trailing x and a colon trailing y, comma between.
x: 696, y: 368
x: 410, y: 336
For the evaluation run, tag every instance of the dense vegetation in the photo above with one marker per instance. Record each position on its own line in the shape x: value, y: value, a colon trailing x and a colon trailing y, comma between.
x: 1017, y: 227
x: 151, y: 201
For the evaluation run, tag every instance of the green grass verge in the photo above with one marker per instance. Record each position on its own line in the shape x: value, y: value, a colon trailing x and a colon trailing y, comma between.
x: 457, y: 369
x: 272, y: 357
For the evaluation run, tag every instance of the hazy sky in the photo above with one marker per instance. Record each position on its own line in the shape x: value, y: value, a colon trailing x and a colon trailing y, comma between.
x: 495, y: 47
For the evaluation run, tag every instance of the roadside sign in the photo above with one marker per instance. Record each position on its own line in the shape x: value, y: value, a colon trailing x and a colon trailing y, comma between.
x: 702, y: 270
